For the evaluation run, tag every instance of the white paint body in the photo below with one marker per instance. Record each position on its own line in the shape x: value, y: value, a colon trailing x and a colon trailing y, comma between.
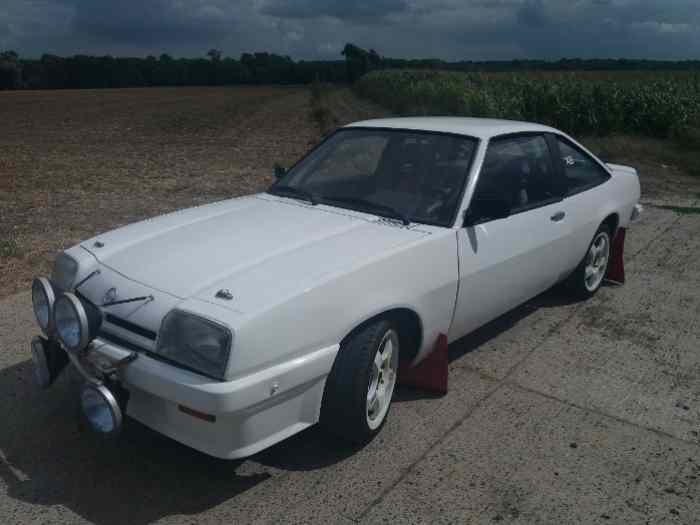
x: 303, y: 277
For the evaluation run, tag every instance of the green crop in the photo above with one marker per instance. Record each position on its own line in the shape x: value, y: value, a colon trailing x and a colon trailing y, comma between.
x: 653, y: 104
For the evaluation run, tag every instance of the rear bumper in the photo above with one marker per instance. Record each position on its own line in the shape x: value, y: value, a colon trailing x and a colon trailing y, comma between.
x: 251, y: 412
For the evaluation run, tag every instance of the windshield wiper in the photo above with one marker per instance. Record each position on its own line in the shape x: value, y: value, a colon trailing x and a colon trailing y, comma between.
x: 370, y: 205
x: 294, y: 192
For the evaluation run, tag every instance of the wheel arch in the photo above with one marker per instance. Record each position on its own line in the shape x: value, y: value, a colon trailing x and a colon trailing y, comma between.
x: 613, y: 221
x: 408, y: 323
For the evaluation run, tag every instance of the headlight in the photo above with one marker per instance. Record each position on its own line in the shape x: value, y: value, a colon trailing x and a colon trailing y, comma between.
x: 64, y: 272
x: 76, y: 321
x: 43, y: 298
x: 194, y: 342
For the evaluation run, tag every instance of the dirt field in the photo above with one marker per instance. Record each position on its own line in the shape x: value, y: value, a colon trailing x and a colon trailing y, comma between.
x: 77, y: 163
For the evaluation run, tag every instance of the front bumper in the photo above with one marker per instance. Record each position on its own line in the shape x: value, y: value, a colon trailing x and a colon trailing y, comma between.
x: 251, y: 412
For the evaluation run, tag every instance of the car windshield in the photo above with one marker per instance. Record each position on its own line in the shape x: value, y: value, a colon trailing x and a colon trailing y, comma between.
x: 407, y: 175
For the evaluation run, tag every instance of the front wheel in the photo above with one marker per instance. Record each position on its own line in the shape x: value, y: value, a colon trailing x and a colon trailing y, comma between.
x: 361, y: 384
x: 590, y: 273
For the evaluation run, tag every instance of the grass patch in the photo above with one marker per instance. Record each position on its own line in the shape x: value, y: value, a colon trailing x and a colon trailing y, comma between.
x: 681, y: 210
x: 9, y: 248
x: 630, y: 149
x: 321, y: 111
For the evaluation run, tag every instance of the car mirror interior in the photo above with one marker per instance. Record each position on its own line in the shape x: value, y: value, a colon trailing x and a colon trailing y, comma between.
x: 279, y: 171
x: 486, y: 208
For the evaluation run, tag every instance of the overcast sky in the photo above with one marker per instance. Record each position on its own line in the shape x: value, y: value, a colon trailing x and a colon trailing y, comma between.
x: 306, y: 29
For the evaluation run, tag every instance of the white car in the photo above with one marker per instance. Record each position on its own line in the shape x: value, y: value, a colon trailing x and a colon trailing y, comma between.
x: 232, y: 326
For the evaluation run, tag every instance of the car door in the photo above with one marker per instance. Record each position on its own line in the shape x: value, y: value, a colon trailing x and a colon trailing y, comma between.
x: 585, y: 195
x: 504, y: 262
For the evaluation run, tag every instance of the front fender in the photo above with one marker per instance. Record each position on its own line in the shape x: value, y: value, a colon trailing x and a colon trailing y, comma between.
x: 421, y: 277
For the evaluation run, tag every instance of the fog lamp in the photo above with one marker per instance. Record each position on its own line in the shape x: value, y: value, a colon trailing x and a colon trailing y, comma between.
x: 101, y: 409
x: 49, y: 361
x: 76, y: 321
x: 43, y: 298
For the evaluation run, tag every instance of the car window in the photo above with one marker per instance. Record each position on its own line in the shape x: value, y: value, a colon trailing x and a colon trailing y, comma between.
x: 356, y: 156
x: 416, y: 175
x: 519, y: 171
x: 580, y: 170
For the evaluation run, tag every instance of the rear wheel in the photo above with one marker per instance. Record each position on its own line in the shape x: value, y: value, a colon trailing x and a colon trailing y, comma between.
x: 361, y: 384
x: 590, y: 273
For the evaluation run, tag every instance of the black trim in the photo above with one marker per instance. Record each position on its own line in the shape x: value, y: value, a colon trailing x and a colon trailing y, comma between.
x: 541, y: 204
x: 517, y: 134
x: 582, y: 189
x: 131, y: 327
x: 116, y: 340
x: 409, y: 130
x: 465, y: 182
x: 177, y: 364
x: 557, y: 165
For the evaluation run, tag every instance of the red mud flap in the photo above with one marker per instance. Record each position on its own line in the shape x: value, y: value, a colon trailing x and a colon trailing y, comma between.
x: 431, y: 373
x: 616, y: 265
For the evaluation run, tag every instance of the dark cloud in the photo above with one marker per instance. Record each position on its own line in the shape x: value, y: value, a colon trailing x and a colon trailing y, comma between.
x: 450, y: 29
x: 149, y: 22
x: 533, y: 14
x: 363, y: 10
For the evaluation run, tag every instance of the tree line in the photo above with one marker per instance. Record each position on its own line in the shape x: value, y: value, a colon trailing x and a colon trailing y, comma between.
x: 85, y: 71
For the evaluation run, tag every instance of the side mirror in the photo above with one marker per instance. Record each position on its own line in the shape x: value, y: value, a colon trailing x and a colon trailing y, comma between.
x: 486, y: 208
x: 279, y: 171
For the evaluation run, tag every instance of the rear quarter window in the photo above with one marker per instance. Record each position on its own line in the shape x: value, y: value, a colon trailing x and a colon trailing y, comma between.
x: 580, y: 170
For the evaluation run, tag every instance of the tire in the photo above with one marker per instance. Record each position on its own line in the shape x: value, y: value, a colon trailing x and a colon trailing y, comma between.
x: 361, y: 384
x: 589, y: 275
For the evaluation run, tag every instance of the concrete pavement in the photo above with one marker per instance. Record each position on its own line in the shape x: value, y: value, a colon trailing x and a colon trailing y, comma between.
x: 558, y: 412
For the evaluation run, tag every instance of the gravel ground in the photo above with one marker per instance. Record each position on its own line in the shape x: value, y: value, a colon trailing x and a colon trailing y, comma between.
x: 558, y: 412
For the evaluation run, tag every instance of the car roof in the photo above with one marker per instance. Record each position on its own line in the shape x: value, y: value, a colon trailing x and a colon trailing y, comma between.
x: 482, y: 128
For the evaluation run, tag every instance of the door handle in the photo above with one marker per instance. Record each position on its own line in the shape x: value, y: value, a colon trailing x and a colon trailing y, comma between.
x: 559, y: 216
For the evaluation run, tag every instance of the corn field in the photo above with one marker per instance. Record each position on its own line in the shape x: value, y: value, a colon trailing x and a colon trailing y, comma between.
x: 659, y: 105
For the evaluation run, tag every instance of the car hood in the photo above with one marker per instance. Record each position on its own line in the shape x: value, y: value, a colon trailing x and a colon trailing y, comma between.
x: 260, y: 248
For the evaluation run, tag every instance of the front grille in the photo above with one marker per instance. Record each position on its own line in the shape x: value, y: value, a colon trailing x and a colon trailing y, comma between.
x: 131, y: 327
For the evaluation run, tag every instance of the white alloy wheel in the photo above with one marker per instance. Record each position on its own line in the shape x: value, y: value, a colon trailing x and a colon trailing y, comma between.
x: 358, y: 391
x: 382, y: 379
x: 597, y: 261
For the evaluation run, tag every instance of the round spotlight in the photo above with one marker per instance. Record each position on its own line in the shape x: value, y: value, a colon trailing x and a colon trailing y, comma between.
x: 76, y: 322
x: 49, y: 361
x: 43, y: 298
x: 101, y: 409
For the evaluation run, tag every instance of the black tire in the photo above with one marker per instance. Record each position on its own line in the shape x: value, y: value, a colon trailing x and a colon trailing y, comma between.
x: 576, y: 282
x: 344, y: 407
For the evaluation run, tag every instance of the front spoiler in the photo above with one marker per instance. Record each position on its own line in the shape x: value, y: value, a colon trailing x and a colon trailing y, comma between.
x: 217, y: 397
x: 249, y: 413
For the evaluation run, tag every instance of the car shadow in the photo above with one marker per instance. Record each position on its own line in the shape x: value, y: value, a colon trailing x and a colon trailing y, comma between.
x: 310, y: 449
x: 47, y: 458
x: 552, y: 298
